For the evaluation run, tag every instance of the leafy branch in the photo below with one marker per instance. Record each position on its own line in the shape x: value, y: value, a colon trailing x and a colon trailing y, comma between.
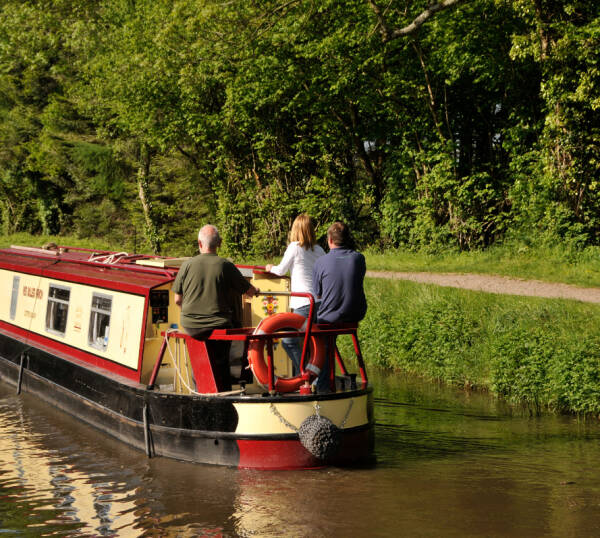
x: 389, y: 34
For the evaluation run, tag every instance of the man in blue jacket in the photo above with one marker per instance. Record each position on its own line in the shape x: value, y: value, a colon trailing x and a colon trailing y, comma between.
x: 338, y: 280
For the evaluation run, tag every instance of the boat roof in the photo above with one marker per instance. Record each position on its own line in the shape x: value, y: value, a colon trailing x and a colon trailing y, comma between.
x: 105, y: 269
x: 134, y: 273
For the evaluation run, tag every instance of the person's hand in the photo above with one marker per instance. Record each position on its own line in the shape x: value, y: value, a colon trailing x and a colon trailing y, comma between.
x: 252, y: 291
x: 268, y: 267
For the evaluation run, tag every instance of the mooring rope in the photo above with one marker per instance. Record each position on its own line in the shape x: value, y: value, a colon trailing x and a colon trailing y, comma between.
x: 317, y: 407
x: 180, y: 376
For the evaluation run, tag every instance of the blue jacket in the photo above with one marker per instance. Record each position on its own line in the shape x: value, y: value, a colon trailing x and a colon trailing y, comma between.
x: 338, y: 280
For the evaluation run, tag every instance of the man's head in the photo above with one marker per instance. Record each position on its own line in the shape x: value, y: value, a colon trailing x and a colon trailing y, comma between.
x: 209, y: 239
x: 338, y: 235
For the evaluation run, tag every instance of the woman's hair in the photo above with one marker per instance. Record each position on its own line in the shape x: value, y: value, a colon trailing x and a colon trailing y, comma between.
x: 303, y: 231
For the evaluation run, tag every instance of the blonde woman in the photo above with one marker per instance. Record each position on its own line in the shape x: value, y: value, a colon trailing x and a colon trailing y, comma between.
x: 299, y: 259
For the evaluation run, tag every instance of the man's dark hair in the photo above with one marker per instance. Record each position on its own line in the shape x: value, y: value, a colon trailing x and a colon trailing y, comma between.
x: 339, y: 234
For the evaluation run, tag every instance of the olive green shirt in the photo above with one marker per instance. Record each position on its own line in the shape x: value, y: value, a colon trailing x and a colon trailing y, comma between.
x: 209, y: 285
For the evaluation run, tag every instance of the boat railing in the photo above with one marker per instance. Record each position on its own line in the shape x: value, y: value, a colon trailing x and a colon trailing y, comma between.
x: 248, y: 334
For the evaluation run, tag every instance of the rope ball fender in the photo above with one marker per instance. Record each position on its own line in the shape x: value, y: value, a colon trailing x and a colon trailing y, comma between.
x: 285, y: 321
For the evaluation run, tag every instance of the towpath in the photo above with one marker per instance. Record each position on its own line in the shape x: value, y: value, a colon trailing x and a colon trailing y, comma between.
x: 497, y: 284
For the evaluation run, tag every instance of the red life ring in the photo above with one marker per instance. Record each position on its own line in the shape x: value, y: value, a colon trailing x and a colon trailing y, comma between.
x: 256, y: 357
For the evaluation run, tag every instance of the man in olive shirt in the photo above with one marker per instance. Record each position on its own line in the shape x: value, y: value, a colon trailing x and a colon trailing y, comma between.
x: 204, y: 288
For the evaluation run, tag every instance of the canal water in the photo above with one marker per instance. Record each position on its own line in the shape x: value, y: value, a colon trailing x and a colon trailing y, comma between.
x: 448, y: 464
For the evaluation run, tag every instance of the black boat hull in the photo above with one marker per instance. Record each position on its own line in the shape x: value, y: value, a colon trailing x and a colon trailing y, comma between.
x: 197, y: 429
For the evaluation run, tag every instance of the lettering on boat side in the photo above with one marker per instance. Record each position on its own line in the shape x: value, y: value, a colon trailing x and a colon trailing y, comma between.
x: 29, y: 314
x: 28, y: 291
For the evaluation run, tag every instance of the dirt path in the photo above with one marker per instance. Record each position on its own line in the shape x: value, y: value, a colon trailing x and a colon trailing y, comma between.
x: 497, y: 284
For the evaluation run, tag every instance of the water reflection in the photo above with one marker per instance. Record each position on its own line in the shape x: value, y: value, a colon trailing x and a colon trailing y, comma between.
x: 41, y: 484
x: 448, y: 464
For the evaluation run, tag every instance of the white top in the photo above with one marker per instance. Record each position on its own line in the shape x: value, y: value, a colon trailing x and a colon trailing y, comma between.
x: 299, y: 262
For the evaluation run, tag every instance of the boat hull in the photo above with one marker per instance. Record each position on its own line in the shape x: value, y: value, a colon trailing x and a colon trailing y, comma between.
x: 201, y: 429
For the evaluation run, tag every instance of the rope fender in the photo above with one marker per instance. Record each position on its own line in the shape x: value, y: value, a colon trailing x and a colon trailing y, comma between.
x: 318, y: 434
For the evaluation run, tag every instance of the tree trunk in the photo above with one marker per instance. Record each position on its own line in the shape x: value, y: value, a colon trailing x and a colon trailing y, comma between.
x: 150, y: 228
x: 542, y: 32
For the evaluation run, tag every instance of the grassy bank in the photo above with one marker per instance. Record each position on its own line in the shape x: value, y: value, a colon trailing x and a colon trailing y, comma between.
x: 29, y: 240
x: 556, y: 263
x: 545, y: 353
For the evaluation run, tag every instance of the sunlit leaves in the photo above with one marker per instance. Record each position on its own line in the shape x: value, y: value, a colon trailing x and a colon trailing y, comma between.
x: 247, y: 113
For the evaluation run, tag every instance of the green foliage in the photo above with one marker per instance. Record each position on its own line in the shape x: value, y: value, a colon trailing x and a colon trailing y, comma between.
x: 421, y: 330
x: 166, y: 114
x: 549, y: 367
x: 520, y: 363
x: 540, y: 353
x: 561, y: 194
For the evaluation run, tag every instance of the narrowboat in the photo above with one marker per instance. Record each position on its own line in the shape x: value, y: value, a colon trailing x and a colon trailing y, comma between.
x: 95, y: 334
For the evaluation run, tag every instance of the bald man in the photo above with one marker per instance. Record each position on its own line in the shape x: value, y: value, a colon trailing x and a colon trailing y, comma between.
x: 204, y: 289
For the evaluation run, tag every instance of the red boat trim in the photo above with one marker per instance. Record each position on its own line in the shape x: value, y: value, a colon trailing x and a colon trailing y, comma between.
x: 276, y: 455
x: 285, y: 451
x: 20, y: 268
x: 68, y: 352
x: 127, y: 279
x: 124, y: 266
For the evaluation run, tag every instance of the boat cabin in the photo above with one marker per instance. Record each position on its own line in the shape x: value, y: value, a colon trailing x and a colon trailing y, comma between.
x: 116, y: 312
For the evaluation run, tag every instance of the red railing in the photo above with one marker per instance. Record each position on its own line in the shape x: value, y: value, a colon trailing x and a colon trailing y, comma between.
x: 330, y: 331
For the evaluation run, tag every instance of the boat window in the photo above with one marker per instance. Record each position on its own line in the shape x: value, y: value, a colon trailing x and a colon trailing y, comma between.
x: 14, y: 297
x: 100, y: 321
x: 58, y: 308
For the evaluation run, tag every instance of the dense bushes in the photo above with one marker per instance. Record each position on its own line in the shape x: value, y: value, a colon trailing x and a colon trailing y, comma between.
x: 538, y: 352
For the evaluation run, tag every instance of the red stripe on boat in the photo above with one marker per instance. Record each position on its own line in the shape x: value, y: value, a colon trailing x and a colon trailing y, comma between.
x: 66, y: 352
x: 279, y: 454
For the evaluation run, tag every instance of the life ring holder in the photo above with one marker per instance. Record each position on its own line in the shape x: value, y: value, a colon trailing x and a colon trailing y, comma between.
x: 277, y: 323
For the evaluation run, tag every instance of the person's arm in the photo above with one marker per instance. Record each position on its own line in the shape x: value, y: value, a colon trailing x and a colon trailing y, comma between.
x: 286, y: 263
x: 239, y: 282
x: 252, y: 291
x: 177, y: 287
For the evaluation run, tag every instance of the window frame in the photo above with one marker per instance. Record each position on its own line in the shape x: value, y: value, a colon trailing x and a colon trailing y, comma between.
x: 95, y: 312
x: 56, y: 300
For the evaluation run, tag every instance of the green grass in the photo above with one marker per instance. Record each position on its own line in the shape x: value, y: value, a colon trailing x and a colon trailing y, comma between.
x: 542, y: 352
x: 559, y: 263
x: 28, y: 240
